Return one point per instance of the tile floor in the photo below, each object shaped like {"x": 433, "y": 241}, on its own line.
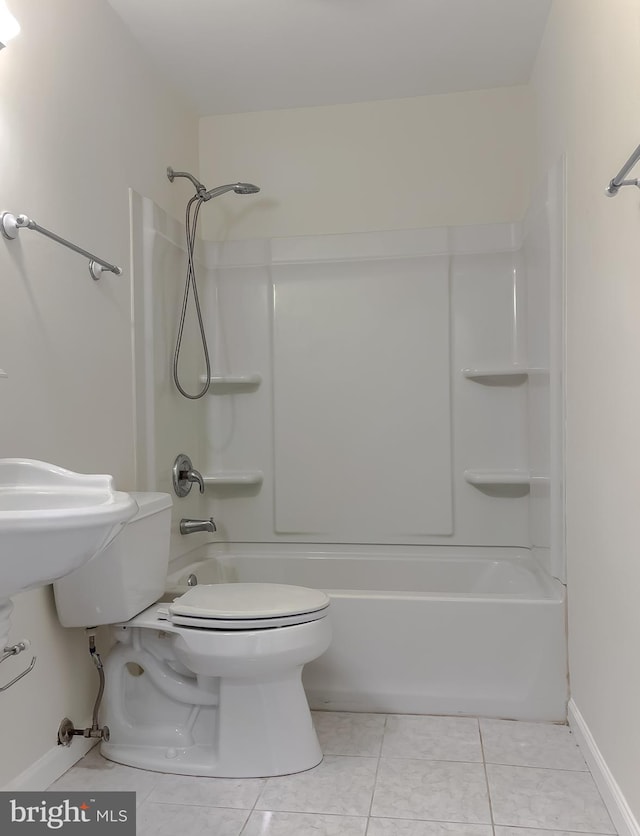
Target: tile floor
{"x": 382, "y": 775}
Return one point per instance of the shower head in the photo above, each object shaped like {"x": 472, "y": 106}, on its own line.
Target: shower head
{"x": 246, "y": 188}
{"x": 238, "y": 188}
{"x": 201, "y": 191}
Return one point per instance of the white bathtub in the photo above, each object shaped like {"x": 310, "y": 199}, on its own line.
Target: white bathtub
{"x": 418, "y": 630}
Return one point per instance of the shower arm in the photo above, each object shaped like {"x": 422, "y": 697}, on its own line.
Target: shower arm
{"x": 171, "y": 174}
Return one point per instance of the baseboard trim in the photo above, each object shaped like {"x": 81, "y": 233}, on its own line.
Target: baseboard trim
{"x": 51, "y": 766}
{"x": 625, "y": 822}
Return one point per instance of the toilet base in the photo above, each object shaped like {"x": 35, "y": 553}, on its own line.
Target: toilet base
{"x": 222, "y": 727}
{"x": 277, "y": 737}
{"x": 199, "y": 761}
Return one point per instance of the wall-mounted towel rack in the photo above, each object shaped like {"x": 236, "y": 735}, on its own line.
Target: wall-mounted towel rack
{"x": 619, "y": 180}
{"x": 10, "y": 225}
{"x": 13, "y": 651}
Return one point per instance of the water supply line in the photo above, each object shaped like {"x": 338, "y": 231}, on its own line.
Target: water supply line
{"x": 66, "y": 729}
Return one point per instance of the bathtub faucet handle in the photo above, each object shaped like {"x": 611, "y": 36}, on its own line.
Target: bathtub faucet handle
{"x": 184, "y": 474}
{"x": 195, "y": 476}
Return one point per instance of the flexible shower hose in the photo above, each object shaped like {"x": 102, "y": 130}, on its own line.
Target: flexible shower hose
{"x": 190, "y": 281}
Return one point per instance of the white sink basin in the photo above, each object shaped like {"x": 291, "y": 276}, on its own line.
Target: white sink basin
{"x": 52, "y": 521}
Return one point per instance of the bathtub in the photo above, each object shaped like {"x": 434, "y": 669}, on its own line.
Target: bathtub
{"x": 417, "y": 630}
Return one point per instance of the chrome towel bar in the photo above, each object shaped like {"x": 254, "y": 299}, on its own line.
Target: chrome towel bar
{"x": 619, "y": 180}
{"x": 10, "y": 225}
{"x": 13, "y": 651}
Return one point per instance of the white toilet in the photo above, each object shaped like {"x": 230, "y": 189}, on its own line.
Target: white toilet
{"x": 209, "y": 684}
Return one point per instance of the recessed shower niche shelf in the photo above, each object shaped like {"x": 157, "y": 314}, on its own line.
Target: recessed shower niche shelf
{"x": 234, "y": 478}
{"x": 221, "y": 384}
{"x": 503, "y": 376}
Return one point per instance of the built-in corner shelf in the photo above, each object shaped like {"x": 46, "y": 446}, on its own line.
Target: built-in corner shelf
{"x": 234, "y": 478}
{"x": 504, "y": 375}
{"x": 488, "y": 478}
{"x": 224, "y": 383}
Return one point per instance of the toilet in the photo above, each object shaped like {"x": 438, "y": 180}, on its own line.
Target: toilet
{"x": 210, "y": 683}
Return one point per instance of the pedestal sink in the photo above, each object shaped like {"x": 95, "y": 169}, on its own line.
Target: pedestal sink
{"x": 52, "y": 521}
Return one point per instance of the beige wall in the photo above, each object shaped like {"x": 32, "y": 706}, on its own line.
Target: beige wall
{"x": 406, "y": 163}
{"x": 81, "y": 120}
{"x": 586, "y": 83}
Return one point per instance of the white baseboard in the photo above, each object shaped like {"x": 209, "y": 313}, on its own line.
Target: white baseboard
{"x": 625, "y": 822}
{"x": 50, "y": 766}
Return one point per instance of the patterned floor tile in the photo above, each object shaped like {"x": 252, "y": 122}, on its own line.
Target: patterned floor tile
{"x": 339, "y": 785}
{"x": 551, "y": 799}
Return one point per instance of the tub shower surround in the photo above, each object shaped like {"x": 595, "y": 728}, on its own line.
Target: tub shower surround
{"x": 417, "y": 630}
{"x": 344, "y": 408}
{"x": 393, "y": 393}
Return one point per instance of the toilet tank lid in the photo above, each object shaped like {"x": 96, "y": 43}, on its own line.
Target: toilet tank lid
{"x": 150, "y": 503}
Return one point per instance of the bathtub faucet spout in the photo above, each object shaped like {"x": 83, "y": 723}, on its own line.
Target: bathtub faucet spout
{"x": 192, "y": 526}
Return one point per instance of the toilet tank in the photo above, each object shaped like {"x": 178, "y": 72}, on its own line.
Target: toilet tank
{"x": 127, "y": 576}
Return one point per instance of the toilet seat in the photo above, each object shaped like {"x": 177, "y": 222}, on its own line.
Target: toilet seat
{"x": 247, "y": 606}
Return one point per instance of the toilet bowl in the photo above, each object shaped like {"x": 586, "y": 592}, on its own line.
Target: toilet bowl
{"x": 207, "y": 684}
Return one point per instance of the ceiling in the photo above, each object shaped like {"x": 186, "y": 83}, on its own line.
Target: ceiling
{"x": 231, "y": 56}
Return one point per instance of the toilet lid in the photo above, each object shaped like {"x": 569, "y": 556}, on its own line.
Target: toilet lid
{"x": 247, "y": 605}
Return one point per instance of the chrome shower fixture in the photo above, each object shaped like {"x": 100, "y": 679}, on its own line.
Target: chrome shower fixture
{"x": 238, "y": 188}
{"x": 171, "y": 174}
{"x": 204, "y": 194}
{"x": 191, "y": 225}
